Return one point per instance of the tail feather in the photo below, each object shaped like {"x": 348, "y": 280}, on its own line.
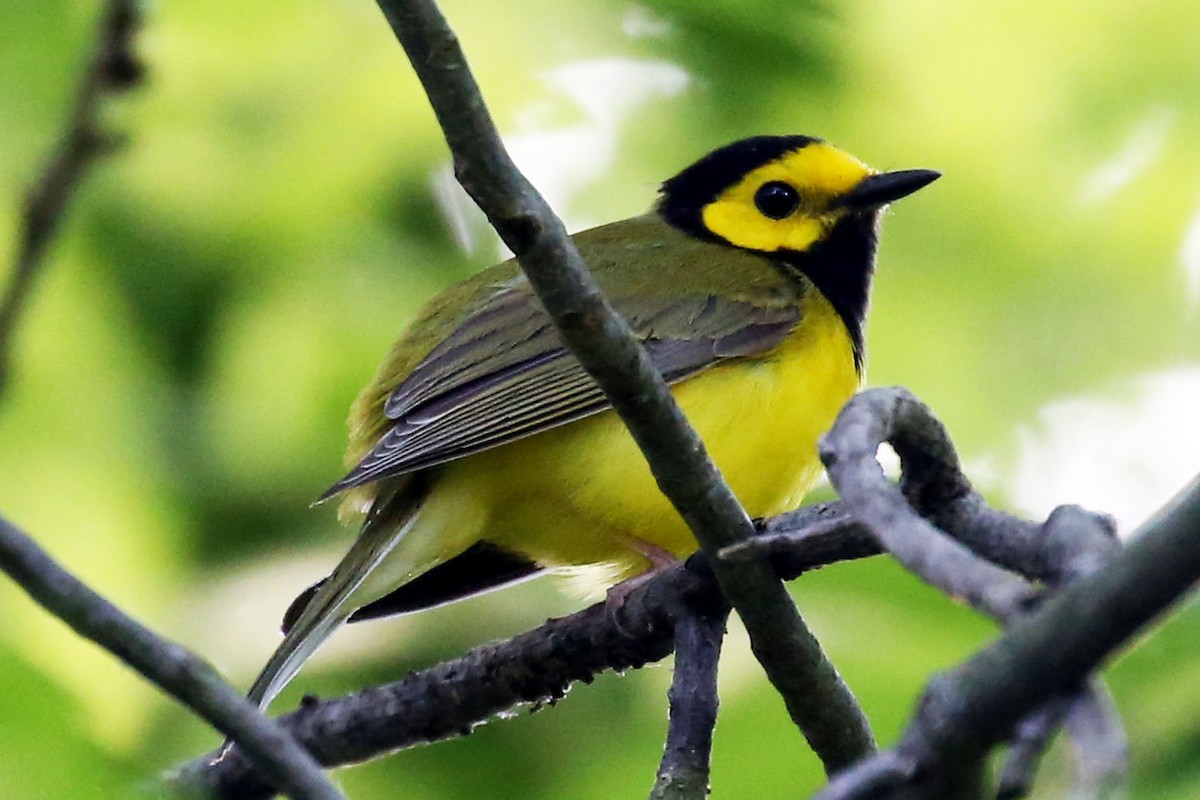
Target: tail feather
{"x": 296, "y": 647}
{"x": 330, "y": 606}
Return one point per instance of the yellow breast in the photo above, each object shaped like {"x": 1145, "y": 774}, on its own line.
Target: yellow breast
{"x": 574, "y": 495}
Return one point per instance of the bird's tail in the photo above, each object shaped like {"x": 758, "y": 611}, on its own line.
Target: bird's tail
{"x": 329, "y": 606}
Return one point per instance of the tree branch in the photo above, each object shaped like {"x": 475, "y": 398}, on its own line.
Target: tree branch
{"x": 1101, "y": 748}
{"x": 849, "y": 455}
{"x": 1095, "y": 728}
{"x": 683, "y": 772}
{"x": 1030, "y": 739}
{"x": 168, "y": 665}
{"x": 535, "y": 668}
{"x": 114, "y": 67}
{"x": 816, "y": 697}
{"x": 966, "y": 712}
{"x": 539, "y": 666}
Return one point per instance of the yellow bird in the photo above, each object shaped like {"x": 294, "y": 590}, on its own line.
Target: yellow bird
{"x": 483, "y": 454}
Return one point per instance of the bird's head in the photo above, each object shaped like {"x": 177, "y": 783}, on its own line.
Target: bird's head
{"x": 779, "y": 194}
{"x": 803, "y": 203}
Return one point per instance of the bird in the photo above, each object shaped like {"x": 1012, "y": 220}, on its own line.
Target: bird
{"x": 482, "y": 454}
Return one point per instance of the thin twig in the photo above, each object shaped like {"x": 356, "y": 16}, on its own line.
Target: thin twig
{"x": 170, "y": 666}
{"x": 683, "y": 771}
{"x": 769, "y": 543}
{"x": 114, "y": 67}
{"x": 1030, "y": 740}
{"x": 817, "y": 699}
{"x": 1096, "y": 732}
{"x": 1075, "y": 543}
{"x": 1099, "y": 744}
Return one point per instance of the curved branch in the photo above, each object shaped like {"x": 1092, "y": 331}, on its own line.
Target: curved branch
{"x": 114, "y": 68}
{"x": 817, "y": 699}
{"x": 966, "y": 712}
{"x": 537, "y": 667}
{"x": 170, "y": 666}
{"x": 849, "y": 452}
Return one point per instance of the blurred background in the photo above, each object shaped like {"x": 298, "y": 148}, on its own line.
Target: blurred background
{"x": 223, "y": 288}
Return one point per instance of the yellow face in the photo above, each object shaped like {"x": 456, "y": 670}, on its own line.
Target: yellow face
{"x": 786, "y": 203}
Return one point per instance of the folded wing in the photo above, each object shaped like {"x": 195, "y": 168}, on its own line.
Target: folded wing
{"x": 504, "y": 374}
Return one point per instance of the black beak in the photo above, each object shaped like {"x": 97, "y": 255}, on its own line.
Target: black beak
{"x": 878, "y": 190}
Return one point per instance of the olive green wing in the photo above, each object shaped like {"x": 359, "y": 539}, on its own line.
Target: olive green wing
{"x": 504, "y": 373}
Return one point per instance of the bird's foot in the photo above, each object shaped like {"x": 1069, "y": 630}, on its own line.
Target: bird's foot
{"x": 660, "y": 561}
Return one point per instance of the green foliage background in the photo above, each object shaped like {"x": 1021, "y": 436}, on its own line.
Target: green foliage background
{"x": 224, "y": 286}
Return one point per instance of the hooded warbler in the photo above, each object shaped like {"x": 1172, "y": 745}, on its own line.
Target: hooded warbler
{"x": 483, "y": 454}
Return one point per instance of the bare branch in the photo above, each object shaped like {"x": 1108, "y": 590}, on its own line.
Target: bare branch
{"x": 538, "y": 667}
{"x": 535, "y": 668}
{"x": 1095, "y": 730}
{"x": 848, "y": 451}
{"x": 114, "y": 68}
{"x": 1100, "y": 746}
{"x": 1030, "y": 740}
{"x": 816, "y": 697}
{"x": 966, "y": 712}
{"x": 683, "y": 772}
{"x": 168, "y": 665}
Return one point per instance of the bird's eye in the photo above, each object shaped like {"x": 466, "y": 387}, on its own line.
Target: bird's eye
{"x": 776, "y": 199}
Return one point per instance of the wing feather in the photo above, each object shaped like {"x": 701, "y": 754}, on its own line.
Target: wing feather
{"x": 504, "y": 374}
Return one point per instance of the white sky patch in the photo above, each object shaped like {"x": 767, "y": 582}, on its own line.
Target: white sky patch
{"x": 641, "y": 22}
{"x": 234, "y": 618}
{"x": 564, "y": 160}
{"x": 888, "y": 460}
{"x": 228, "y": 613}
{"x": 1189, "y": 258}
{"x": 1139, "y": 152}
{"x": 456, "y": 205}
{"x": 1125, "y": 454}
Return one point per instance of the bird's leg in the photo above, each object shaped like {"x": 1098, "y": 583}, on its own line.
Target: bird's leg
{"x": 659, "y": 559}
